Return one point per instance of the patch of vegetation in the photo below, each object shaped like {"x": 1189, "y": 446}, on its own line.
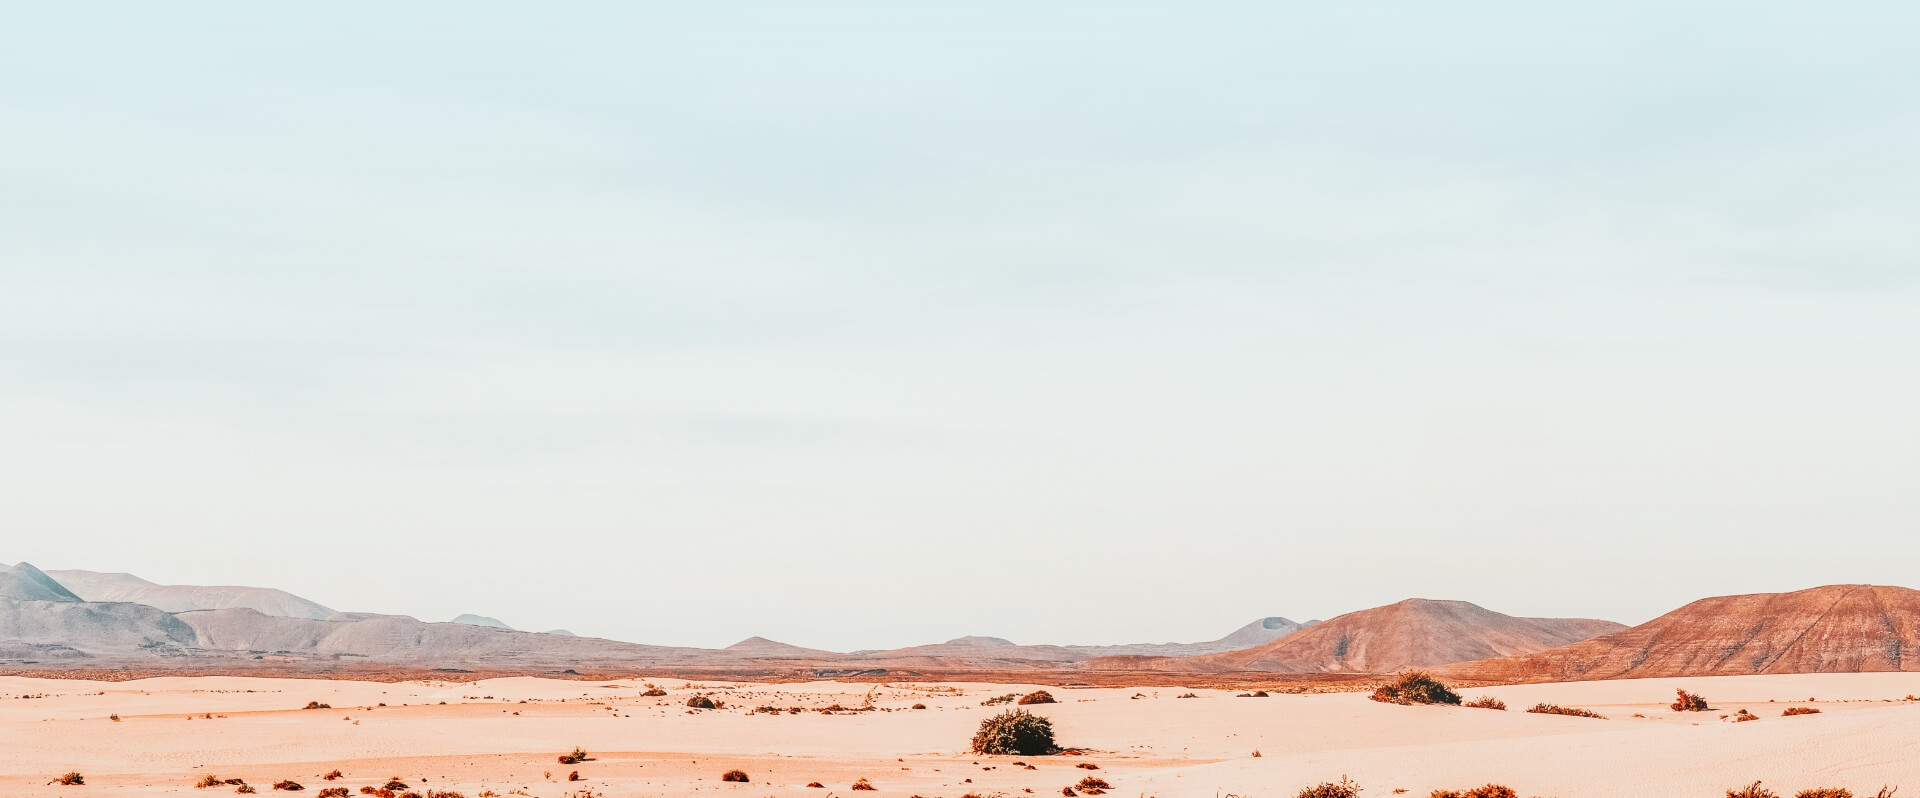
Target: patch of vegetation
{"x": 700, "y": 702}
{"x": 208, "y": 780}
{"x": 245, "y": 789}
{"x": 574, "y": 757}
{"x": 739, "y": 776}
{"x": 71, "y": 779}
{"x": 1186, "y": 695}
{"x": 317, "y": 705}
{"x": 288, "y": 785}
{"x": 1753, "y": 790}
{"x": 654, "y": 692}
{"x": 1556, "y": 709}
{"x": 1415, "y": 687}
{"x": 1328, "y": 789}
{"x": 1792, "y": 711}
{"x": 816, "y": 785}
{"x": 1483, "y": 791}
{"x": 1487, "y": 702}
{"x": 1001, "y": 699}
{"x": 1015, "y": 732}
{"x": 1825, "y": 792}
{"x": 1092, "y": 786}
{"x": 919, "y": 706}
{"x": 332, "y": 775}
{"x": 862, "y": 785}
{"x": 1036, "y": 697}
{"x": 333, "y": 792}
{"x": 1688, "y": 702}
{"x": 1743, "y": 716}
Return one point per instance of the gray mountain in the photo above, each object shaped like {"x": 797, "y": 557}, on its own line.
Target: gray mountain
{"x": 95, "y": 586}
{"x": 480, "y": 620}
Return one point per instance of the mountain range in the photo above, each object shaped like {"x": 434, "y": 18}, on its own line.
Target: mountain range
{"x": 71, "y": 620}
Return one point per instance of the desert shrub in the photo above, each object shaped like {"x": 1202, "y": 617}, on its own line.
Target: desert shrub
{"x": 734, "y": 775}
{"x": 1792, "y": 711}
{"x": 862, "y": 785}
{"x": 245, "y": 789}
{"x": 333, "y": 792}
{"x": 574, "y": 776}
{"x": 1001, "y": 699}
{"x": 1743, "y": 716}
{"x": 1415, "y": 687}
{"x": 1688, "y": 702}
{"x": 318, "y": 705}
{"x": 444, "y": 794}
{"x": 71, "y": 779}
{"x": 208, "y": 780}
{"x": 396, "y": 784}
{"x": 1093, "y": 785}
{"x": 1483, "y": 791}
{"x": 1036, "y": 697}
{"x": 1825, "y": 792}
{"x": 1186, "y": 695}
{"x": 1556, "y": 709}
{"x": 816, "y": 785}
{"x": 574, "y": 757}
{"x": 1753, "y": 790}
{"x": 1486, "y": 702}
{"x": 654, "y": 692}
{"x": 1087, "y": 766}
{"x": 332, "y": 775}
{"x": 700, "y": 702}
{"x": 382, "y": 792}
{"x": 288, "y": 785}
{"x": 115, "y": 718}
{"x": 919, "y": 706}
{"x": 1015, "y": 732}
{"x": 1328, "y": 789}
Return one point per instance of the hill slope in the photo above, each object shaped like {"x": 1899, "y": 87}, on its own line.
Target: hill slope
{"x": 96, "y": 586}
{"x": 1415, "y": 633}
{"x": 1837, "y": 628}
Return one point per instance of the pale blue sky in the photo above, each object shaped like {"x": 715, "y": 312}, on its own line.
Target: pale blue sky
{"x": 872, "y": 325}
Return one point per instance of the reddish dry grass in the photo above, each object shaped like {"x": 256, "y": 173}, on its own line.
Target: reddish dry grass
{"x": 1792, "y": 711}
{"x": 1486, "y": 702}
{"x": 1556, "y": 709}
{"x": 1688, "y": 702}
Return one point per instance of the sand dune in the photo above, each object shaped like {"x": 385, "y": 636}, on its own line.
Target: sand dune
{"x": 503, "y": 735}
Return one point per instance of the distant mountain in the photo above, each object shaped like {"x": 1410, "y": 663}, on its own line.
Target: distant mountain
{"x": 762, "y": 647}
{"x": 560, "y": 632}
{"x": 1265, "y": 630}
{"x": 481, "y": 620}
{"x": 1836, "y": 628}
{"x": 95, "y": 586}
{"x": 1410, "y": 634}
{"x": 24, "y": 582}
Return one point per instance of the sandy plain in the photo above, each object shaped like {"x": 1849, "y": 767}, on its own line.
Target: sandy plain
{"x": 503, "y": 736}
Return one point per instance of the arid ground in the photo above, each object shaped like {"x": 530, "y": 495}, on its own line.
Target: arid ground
{"x": 504, "y": 736}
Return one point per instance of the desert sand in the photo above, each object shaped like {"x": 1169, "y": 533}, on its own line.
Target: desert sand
{"x": 503, "y": 736}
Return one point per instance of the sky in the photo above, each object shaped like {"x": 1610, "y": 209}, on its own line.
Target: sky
{"x": 867, "y": 325}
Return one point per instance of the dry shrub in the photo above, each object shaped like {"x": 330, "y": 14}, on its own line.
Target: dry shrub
{"x": 382, "y": 792}
{"x": 115, "y": 718}
{"x": 1087, "y": 766}
{"x": 1688, "y": 702}
{"x": 862, "y": 785}
{"x": 71, "y": 779}
{"x": 1486, "y": 702}
{"x": 574, "y": 776}
{"x": 1743, "y": 716}
{"x": 1415, "y": 687}
{"x": 1753, "y": 790}
{"x": 318, "y": 705}
{"x": 1093, "y": 786}
{"x": 735, "y": 775}
{"x": 332, "y": 775}
{"x": 1483, "y": 791}
{"x": 245, "y": 789}
{"x": 1825, "y": 792}
{"x": 332, "y": 792}
{"x": 444, "y": 794}
{"x": 208, "y": 780}
{"x": 575, "y": 757}
{"x": 1328, "y": 789}
{"x": 654, "y": 692}
{"x": 919, "y": 706}
{"x": 288, "y": 785}
{"x": 397, "y": 784}
{"x": 700, "y": 702}
{"x": 1556, "y": 709}
{"x": 1015, "y": 732}
{"x": 1036, "y": 697}
{"x": 1186, "y": 695}
{"x": 816, "y": 785}
{"x": 1792, "y": 711}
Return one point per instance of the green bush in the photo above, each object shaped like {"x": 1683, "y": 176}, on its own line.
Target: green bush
{"x": 1416, "y": 687}
{"x": 1015, "y": 732}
